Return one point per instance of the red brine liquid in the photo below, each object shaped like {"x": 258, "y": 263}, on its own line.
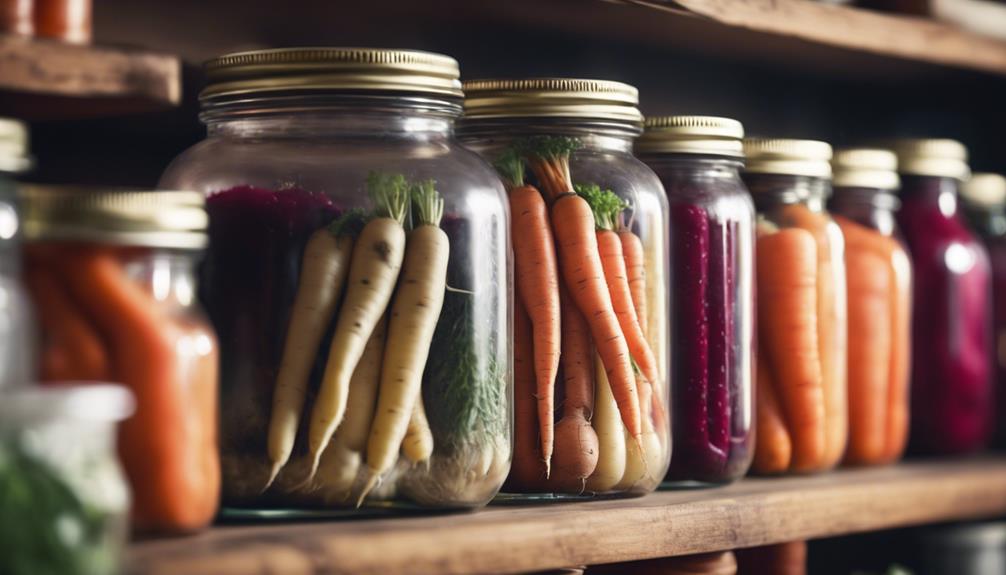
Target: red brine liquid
{"x": 952, "y": 393}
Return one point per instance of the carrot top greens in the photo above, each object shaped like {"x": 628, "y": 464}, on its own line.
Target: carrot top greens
{"x": 510, "y": 166}
{"x": 390, "y": 193}
{"x": 548, "y": 157}
{"x": 427, "y": 203}
{"x": 349, "y": 223}
{"x": 607, "y": 206}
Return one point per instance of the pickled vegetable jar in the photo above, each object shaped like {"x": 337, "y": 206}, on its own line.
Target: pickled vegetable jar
{"x": 590, "y": 247}
{"x": 801, "y": 400}
{"x": 358, "y": 278}
{"x": 16, "y": 319}
{"x": 64, "y": 503}
{"x": 879, "y": 283}
{"x": 952, "y": 403}
{"x": 112, "y": 276}
{"x": 985, "y": 207}
{"x": 698, "y": 160}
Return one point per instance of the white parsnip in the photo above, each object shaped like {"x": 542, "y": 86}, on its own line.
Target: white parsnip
{"x": 377, "y": 260}
{"x": 418, "y": 443}
{"x": 607, "y": 423}
{"x": 414, "y": 317}
{"x": 323, "y": 272}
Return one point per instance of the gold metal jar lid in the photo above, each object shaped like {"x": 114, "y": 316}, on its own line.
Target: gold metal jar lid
{"x": 552, "y": 98}
{"x": 865, "y": 168}
{"x": 708, "y": 135}
{"x": 985, "y": 190}
{"x": 160, "y": 219}
{"x": 14, "y": 156}
{"x": 363, "y": 69}
{"x": 811, "y": 158}
{"x": 937, "y": 157}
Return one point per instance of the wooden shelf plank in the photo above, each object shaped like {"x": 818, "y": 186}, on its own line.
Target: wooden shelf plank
{"x": 44, "y": 79}
{"x": 897, "y": 36}
{"x": 526, "y": 538}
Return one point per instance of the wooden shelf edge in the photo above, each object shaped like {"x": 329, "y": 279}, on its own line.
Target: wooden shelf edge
{"x": 44, "y": 78}
{"x": 850, "y": 28}
{"x": 527, "y": 538}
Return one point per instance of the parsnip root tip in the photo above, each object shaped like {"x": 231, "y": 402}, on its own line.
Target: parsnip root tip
{"x": 373, "y": 480}
{"x": 277, "y": 466}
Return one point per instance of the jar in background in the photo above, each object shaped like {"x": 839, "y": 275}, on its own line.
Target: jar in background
{"x": 16, "y": 320}
{"x": 64, "y": 503}
{"x": 698, "y": 159}
{"x": 66, "y": 20}
{"x": 112, "y": 276}
{"x": 952, "y": 403}
{"x": 879, "y": 291}
{"x": 985, "y": 207}
{"x": 801, "y": 308}
{"x": 569, "y": 135}
{"x": 16, "y": 17}
{"x": 313, "y": 156}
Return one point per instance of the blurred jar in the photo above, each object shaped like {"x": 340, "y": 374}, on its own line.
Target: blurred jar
{"x": 17, "y": 327}
{"x": 66, "y": 20}
{"x": 307, "y": 149}
{"x": 952, "y": 403}
{"x": 64, "y": 502}
{"x": 698, "y": 159}
{"x": 801, "y": 308}
{"x": 879, "y": 283}
{"x": 112, "y": 275}
{"x": 579, "y": 133}
{"x": 985, "y": 207}
{"x": 17, "y": 17}
{"x": 966, "y": 549}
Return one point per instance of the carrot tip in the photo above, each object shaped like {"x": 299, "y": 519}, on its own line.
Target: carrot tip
{"x": 548, "y": 467}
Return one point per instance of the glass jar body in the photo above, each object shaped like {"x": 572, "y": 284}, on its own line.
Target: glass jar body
{"x": 802, "y": 325}
{"x": 879, "y": 295}
{"x": 604, "y": 158}
{"x": 130, "y": 315}
{"x": 273, "y": 179}
{"x": 712, "y": 336}
{"x": 17, "y": 325}
{"x": 952, "y": 326}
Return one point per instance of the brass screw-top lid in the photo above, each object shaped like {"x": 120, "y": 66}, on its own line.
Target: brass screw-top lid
{"x": 13, "y": 146}
{"x": 318, "y": 69}
{"x": 552, "y": 98}
{"x": 809, "y": 158}
{"x": 865, "y": 168}
{"x": 692, "y": 135}
{"x": 165, "y": 219}
{"x": 985, "y": 190}
{"x": 938, "y": 158}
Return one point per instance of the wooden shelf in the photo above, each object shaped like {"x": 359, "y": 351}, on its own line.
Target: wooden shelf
{"x": 513, "y": 539}
{"x": 44, "y": 80}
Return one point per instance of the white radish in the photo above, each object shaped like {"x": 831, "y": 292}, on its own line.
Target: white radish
{"x": 414, "y": 317}
{"x": 418, "y": 443}
{"x": 645, "y": 463}
{"x": 377, "y": 260}
{"x": 610, "y": 435}
{"x": 323, "y": 272}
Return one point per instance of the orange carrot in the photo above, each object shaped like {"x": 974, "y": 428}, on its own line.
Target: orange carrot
{"x": 831, "y": 323}
{"x": 635, "y": 269}
{"x": 169, "y": 447}
{"x": 774, "y": 449}
{"x": 901, "y": 295}
{"x": 581, "y": 269}
{"x": 528, "y": 470}
{"x": 537, "y": 287}
{"x": 72, "y": 348}
{"x": 788, "y": 332}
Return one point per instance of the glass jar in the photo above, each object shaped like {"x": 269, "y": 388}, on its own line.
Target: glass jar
{"x": 112, "y": 275}
{"x": 606, "y": 285}
{"x": 952, "y": 404}
{"x": 802, "y": 403}
{"x": 699, "y": 159}
{"x": 879, "y": 283}
{"x": 312, "y": 156}
{"x": 16, "y": 319}
{"x": 985, "y": 207}
{"x": 64, "y": 503}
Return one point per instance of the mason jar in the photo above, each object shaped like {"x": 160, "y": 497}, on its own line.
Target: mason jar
{"x": 952, "y": 371}
{"x": 112, "y": 276}
{"x": 332, "y": 178}
{"x": 16, "y": 319}
{"x": 879, "y": 292}
{"x": 698, "y": 159}
{"x": 591, "y": 249}
{"x": 802, "y": 414}
{"x": 985, "y": 207}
